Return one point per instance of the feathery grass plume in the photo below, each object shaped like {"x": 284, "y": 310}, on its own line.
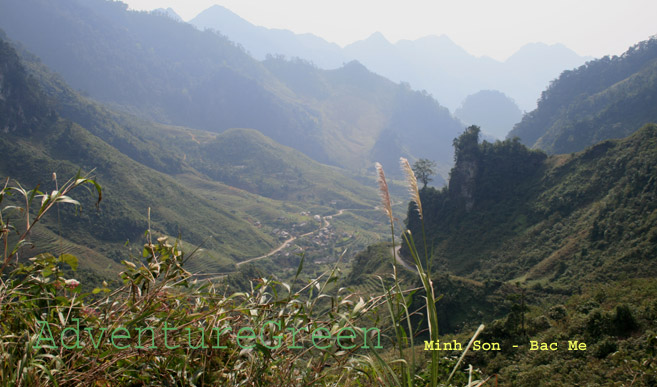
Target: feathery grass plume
{"x": 383, "y": 190}
{"x": 412, "y": 184}
{"x": 396, "y": 302}
{"x": 415, "y": 197}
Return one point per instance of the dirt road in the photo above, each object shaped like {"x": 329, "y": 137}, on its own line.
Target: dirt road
{"x": 401, "y": 261}
{"x": 290, "y": 240}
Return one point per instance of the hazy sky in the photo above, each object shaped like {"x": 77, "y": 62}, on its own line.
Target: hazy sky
{"x": 483, "y": 27}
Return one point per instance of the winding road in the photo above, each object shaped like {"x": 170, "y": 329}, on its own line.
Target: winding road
{"x": 290, "y": 240}
{"x": 287, "y": 242}
{"x": 401, "y": 261}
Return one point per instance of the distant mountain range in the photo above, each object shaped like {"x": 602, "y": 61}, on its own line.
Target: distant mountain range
{"x": 433, "y": 63}
{"x": 261, "y": 41}
{"x": 152, "y": 66}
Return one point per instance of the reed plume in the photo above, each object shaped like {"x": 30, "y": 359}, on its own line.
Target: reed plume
{"x": 383, "y": 191}
{"x": 412, "y": 184}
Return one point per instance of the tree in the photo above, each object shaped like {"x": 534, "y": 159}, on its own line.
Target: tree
{"x": 424, "y": 169}
{"x": 467, "y": 143}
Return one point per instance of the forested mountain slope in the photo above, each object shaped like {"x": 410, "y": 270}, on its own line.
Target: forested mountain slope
{"x": 560, "y": 221}
{"x": 546, "y": 249}
{"x": 38, "y": 141}
{"x": 194, "y": 190}
{"x": 603, "y": 99}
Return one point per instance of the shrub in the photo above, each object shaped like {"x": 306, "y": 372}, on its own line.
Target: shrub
{"x": 623, "y": 322}
{"x": 558, "y": 312}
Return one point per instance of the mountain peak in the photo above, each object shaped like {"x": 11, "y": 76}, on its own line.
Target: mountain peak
{"x": 376, "y": 41}
{"x": 215, "y": 12}
{"x": 442, "y": 39}
{"x": 355, "y": 67}
{"x": 217, "y": 8}
{"x": 434, "y": 43}
{"x": 377, "y": 37}
{"x": 538, "y": 49}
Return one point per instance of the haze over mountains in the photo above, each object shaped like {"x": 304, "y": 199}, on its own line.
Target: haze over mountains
{"x": 491, "y": 109}
{"x": 160, "y": 69}
{"x": 433, "y": 63}
{"x": 226, "y": 191}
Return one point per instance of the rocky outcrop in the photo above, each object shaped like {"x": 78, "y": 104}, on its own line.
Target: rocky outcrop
{"x": 463, "y": 181}
{"x": 463, "y": 178}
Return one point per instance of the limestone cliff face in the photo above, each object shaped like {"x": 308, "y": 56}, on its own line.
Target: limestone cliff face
{"x": 463, "y": 177}
{"x": 463, "y": 181}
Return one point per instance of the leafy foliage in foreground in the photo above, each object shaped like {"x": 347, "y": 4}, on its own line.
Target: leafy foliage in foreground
{"x": 53, "y": 333}
{"x": 156, "y": 291}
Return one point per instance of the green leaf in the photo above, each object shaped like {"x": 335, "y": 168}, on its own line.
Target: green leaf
{"x": 70, "y": 260}
{"x": 95, "y": 184}
{"x": 303, "y": 257}
{"x": 21, "y": 209}
{"x": 44, "y": 258}
{"x": 66, "y": 199}
{"x": 33, "y": 193}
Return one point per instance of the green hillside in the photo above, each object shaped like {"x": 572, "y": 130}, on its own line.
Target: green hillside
{"x": 555, "y": 250}
{"x": 549, "y": 249}
{"x": 246, "y": 159}
{"x": 223, "y": 192}
{"x": 561, "y": 221}
{"x": 32, "y": 152}
{"x": 603, "y": 99}
{"x": 243, "y": 158}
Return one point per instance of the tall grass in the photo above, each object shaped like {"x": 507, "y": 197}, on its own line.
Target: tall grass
{"x": 398, "y": 305}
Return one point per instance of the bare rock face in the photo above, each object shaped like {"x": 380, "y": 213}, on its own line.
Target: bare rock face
{"x": 464, "y": 187}
{"x": 462, "y": 182}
